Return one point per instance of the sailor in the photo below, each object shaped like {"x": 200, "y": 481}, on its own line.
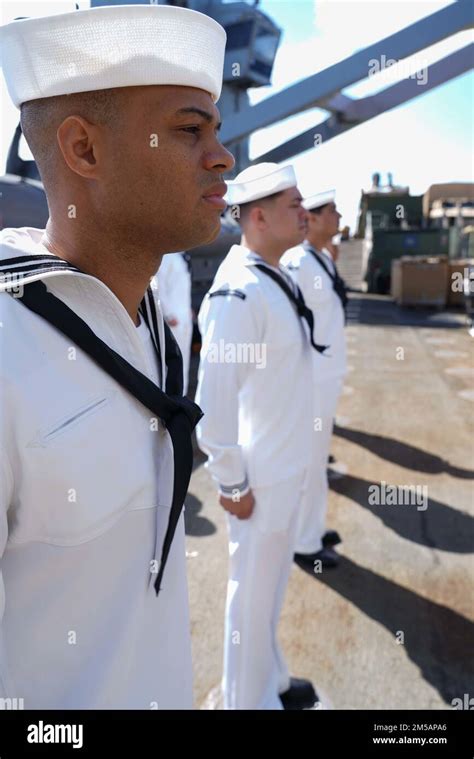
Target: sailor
{"x": 254, "y": 382}
{"x": 118, "y": 107}
{"x": 315, "y": 272}
{"x": 174, "y": 289}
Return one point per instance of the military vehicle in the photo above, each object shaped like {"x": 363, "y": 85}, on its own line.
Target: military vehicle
{"x": 393, "y": 223}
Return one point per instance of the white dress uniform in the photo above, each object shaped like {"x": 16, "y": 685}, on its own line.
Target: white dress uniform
{"x": 329, "y": 371}
{"x": 174, "y": 288}
{"x": 87, "y": 491}
{"x": 257, "y": 434}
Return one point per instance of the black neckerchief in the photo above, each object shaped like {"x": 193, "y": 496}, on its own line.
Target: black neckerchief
{"x": 303, "y": 311}
{"x": 338, "y": 284}
{"x": 178, "y": 413}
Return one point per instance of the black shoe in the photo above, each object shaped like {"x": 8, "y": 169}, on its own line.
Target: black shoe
{"x": 300, "y": 695}
{"x": 331, "y": 538}
{"x": 327, "y": 556}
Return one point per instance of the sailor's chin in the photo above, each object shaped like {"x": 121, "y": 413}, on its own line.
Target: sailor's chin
{"x": 214, "y": 233}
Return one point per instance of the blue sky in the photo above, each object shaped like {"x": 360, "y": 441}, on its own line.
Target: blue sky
{"x": 427, "y": 140}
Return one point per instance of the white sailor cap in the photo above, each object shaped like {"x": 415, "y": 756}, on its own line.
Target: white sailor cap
{"x": 259, "y": 181}
{"x": 321, "y": 199}
{"x": 112, "y": 46}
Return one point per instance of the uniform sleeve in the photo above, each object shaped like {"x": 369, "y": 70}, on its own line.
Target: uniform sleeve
{"x": 224, "y": 322}
{"x": 6, "y": 488}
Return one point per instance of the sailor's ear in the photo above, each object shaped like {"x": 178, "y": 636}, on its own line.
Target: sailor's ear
{"x": 258, "y": 216}
{"x": 79, "y": 142}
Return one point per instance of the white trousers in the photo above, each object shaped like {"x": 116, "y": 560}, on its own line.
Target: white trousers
{"x": 312, "y": 515}
{"x": 261, "y": 554}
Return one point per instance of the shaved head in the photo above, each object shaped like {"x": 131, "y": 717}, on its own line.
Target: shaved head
{"x": 246, "y": 208}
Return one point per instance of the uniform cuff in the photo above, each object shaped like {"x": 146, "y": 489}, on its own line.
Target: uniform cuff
{"x": 234, "y": 491}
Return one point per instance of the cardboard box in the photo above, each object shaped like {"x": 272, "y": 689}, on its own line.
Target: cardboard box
{"x": 420, "y": 281}
{"x": 456, "y": 273}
